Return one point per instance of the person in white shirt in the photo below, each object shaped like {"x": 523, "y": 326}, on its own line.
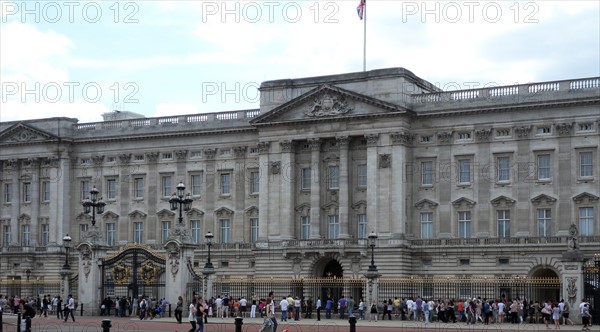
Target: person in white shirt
{"x": 283, "y": 304}
{"x": 243, "y": 304}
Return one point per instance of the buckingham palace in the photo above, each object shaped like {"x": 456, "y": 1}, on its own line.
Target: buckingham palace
{"x": 501, "y": 183}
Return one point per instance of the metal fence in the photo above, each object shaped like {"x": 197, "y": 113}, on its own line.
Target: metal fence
{"x": 31, "y": 288}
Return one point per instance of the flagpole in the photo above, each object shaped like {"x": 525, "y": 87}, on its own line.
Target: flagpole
{"x": 365, "y": 37}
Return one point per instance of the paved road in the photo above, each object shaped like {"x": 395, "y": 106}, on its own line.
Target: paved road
{"x": 92, "y": 324}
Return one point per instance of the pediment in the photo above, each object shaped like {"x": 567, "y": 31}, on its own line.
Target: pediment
{"x": 110, "y": 215}
{"x": 21, "y": 133}
{"x": 24, "y": 217}
{"x": 195, "y": 213}
{"x": 543, "y": 199}
{"x": 585, "y": 197}
{"x": 164, "y": 213}
{"x": 251, "y": 211}
{"x": 360, "y": 206}
{"x": 425, "y": 203}
{"x": 224, "y": 212}
{"x": 463, "y": 201}
{"x": 502, "y": 201}
{"x": 137, "y": 214}
{"x": 331, "y": 208}
{"x": 303, "y": 209}
{"x": 328, "y": 102}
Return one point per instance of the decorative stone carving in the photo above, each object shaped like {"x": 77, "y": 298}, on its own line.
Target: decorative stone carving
{"x": 210, "y": 153}
{"x": 503, "y": 201}
{"x": 125, "y": 158}
{"x": 181, "y": 155}
{"x": 463, "y": 200}
{"x": 522, "y": 131}
{"x": 11, "y": 164}
{"x": 444, "y": 137}
{"x": 385, "y": 160}
{"x": 93, "y": 235}
{"x": 181, "y": 233}
{"x": 585, "y": 196}
{"x": 315, "y": 144}
{"x": 263, "y": 147}
{"x": 572, "y": 289}
{"x": 275, "y": 167}
{"x": 483, "y": 134}
{"x": 543, "y": 199}
{"x": 328, "y": 105}
{"x": 86, "y": 260}
{"x": 152, "y": 157}
{"x": 420, "y": 205}
{"x": 286, "y": 146}
{"x": 224, "y": 212}
{"x": 403, "y": 138}
{"x": 24, "y": 136}
{"x": 97, "y": 160}
{"x": 571, "y": 267}
{"x": 239, "y": 151}
{"x": 342, "y": 141}
{"x": 564, "y": 129}
{"x": 297, "y": 266}
{"x": 372, "y": 139}
{"x": 573, "y": 235}
{"x": 173, "y": 252}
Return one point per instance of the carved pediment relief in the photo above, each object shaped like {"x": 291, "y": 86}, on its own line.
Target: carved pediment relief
{"x": 331, "y": 208}
{"x": 195, "y": 213}
{"x": 586, "y": 198}
{"x": 425, "y": 204}
{"x": 24, "y": 218}
{"x": 21, "y": 133}
{"x": 325, "y": 102}
{"x": 360, "y": 207}
{"x": 252, "y": 211}
{"x": 463, "y": 201}
{"x": 543, "y": 199}
{"x": 303, "y": 209}
{"x": 137, "y": 214}
{"x": 109, "y": 215}
{"x": 502, "y": 201}
{"x": 164, "y": 213}
{"x": 224, "y": 212}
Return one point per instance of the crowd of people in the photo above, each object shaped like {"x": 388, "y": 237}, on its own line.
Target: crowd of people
{"x": 45, "y": 306}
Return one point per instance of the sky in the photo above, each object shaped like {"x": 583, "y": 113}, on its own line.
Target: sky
{"x": 80, "y": 59}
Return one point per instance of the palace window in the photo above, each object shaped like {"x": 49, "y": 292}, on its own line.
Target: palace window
{"x": 464, "y": 224}
{"x": 196, "y": 180}
{"x": 111, "y": 189}
{"x": 544, "y": 222}
{"x": 464, "y": 171}
{"x": 83, "y": 228}
{"x": 503, "y": 219}
{"x": 586, "y": 221}
{"x": 196, "y": 234}
{"x": 362, "y": 175}
{"x": 85, "y": 189}
{"x": 333, "y": 173}
{"x": 45, "y": 235}
{"x": 225, "y": 230}
{"x": 333, "y": 223}
{"x": 25, "y": 235}
{"x": 26, "y": 192}
{"x": 362, "y": 226}
{"x": 586, "y": 164}
{"x": 254, "y": 182}
{"x": 7, "y": 192}
{"x": 427, "y": 173}
{"x": 306, "y": 178}
{"x": 138, "y": 188}
{"x": 45, "y": 191}
{"x": 503, "y": 169}
{"x": 305, "y": 225}
{"x": 138, "y": 232}
{"x": 166, "y": 228}
{"x": 253, "y": 230}
{"x": 167, "y": 185}
{"x": 544, "y": 167}
{"x": 225, "y": 184}
{"x": 426, "y": 225}
{"x": 6, "y": 238}
{"x": 111, "y": 233}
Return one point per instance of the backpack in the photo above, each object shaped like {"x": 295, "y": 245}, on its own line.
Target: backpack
{"x": 29, "y": 311}
{"x": 143, "y": 304}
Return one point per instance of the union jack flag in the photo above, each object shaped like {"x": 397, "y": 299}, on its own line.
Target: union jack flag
{"x": 361, "y": 9}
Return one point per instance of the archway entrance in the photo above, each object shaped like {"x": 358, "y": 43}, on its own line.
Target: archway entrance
{"x": 332, "y": 269}
{"x": 548, "y": 285}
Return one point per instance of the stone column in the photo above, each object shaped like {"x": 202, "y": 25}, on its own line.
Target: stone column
{"x": 35, "y": 203}
{"x": 344, "y": 192}
{"x": 372, "y": 181}
{"x": 179, "y": 256}
{"x": 263, "y": 200}
{"x": 13, "y": 166}
{"x": 315, "y": 189}
{"x": 287, "y": 190}
{"x": 399, "y": 153}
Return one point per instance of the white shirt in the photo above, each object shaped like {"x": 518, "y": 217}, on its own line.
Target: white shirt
{"x": 219, "y": 302}
{"x": 283, "y": 304}
{"x": 243, "y": 302}
{"x": 318, "y": 303}
{"x": 192, "y": 315}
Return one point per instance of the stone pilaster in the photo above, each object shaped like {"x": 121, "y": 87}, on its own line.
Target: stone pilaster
{"x": 344, "y": 192}
{"x": 177, "y": 276}
{"x": 90, "y": 277}
{"x": 287, "y": 190}
{"x": 263, "y": 201}
{"x": 399, "y": 151}
{"x": 315, "y": 188}
{"x": 372, "y": 181}
{"x": 13, "y": 167}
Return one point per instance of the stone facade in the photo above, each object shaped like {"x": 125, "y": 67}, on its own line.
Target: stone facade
{"x": 474, "y": 182}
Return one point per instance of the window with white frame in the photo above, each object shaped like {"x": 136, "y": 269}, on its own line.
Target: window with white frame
{"x": 333, "y": 223}
{"x": 306, "y": 178}
{"x": 503, "y": 132}
{"x": 196, "y": 234}
{"x": 225, "y": 224}
{"x": 26, "y": 191}
{"x": 85, "y": 189}
{"x": 586, "y": 221}
{"x": 362, "y": 175}
{"x": 503, "y": 169}
{"x": 138, "y": 188}
{"x": 544, "y": 167}
{"x": 225, "y": 184}
{"x": 333, "y": 173}
{"x": 464, "y": 171}
{"x": 464, "y": 135}
{"x": 544, "y": 222}
{"x": 111, "y": 189}
{"x": 45, "y": 191}
{"x": 167, "y": 155}
{"x": 166, "y": 229}
{"x": 503, "y": 220}
{"x": 167, "y": 185}
{"x": 138, "y": 157}
{"x": 361, "y": 226}
{"x": 45, "y": 235}
{"x": 464, "y": 224}
{"x": 6, "y": 239}
{"x": 587, "y": 126}
{"x": 586, "y": 164}
{"x": 544, "y": 130}
{"x": 427, "y": 173}
{"x": 138, "y": 232}
{"x": 7, "y": 192}
{"x": 254, "y": 182}
{"x": 426, "y": 225}
{"x": 25, "y": 235}
{"x": 253, "y": 230}
{"x": 111, "y": 234}
{"x": 305, "y": 227}
{"x": 196, "y": 180}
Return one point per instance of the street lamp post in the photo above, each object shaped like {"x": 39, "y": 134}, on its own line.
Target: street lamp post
{"x": 67, "y": 245}
{"x": 208, "y": 267}
{"x": 93, "y": 204}
{"x": 372, "y": 241}
{"x": 372, "y": 273}
{"x": 181, "y": 202}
